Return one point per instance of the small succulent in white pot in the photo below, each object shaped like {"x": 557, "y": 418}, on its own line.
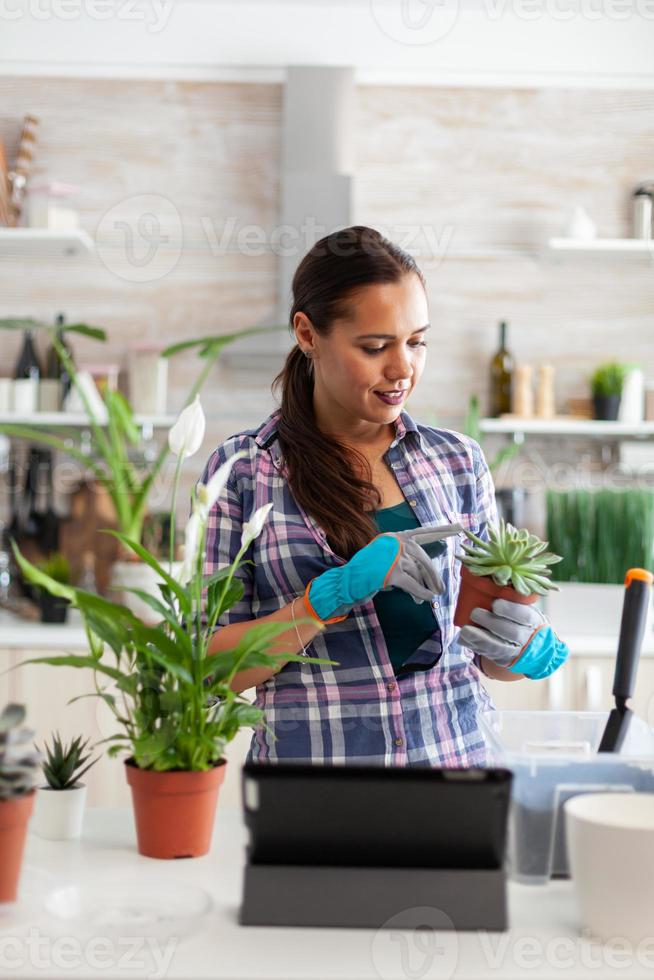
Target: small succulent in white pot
{"x": 60, "y": 805}
{"x": 19, "y": 773}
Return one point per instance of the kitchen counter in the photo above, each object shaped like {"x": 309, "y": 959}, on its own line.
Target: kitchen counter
{"x": 544, "y": 939}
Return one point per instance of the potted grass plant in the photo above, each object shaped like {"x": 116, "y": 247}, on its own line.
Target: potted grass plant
{"x": 59, "y": 809}
{"x": 54, "y": 609}
{"x": 512, "y": 564}
{"x": 19, "y": 773}
{"x": 606, "y": 386}
{"x": 173, "y": 700}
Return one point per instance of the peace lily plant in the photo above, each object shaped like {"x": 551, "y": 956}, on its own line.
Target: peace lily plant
{"x": 172, "y": 699}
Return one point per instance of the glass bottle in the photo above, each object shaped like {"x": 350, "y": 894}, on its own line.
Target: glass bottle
{"x": 501, "y": 377}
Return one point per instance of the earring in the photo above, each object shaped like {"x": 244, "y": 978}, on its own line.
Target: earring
{"x": 308, "y": 354}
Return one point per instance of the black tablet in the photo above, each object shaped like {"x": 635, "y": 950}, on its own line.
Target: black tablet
{"x": 376, "y": 816}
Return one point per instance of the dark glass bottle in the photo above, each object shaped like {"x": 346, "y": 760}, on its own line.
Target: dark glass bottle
{"x": 501, "y": 377}
{"x": 27, "y": 365}
{"x": 54, "y": 369}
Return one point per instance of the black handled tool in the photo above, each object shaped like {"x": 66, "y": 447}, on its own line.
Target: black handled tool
{"x": 637, "y": 597}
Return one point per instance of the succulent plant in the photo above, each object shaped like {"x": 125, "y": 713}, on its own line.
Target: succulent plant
{"x": 511, "y": 557}
{"x": 62, "y": 762}
{"x": 19, "y": 762}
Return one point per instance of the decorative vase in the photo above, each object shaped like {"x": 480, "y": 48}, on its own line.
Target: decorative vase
{"x": 14, "y": 817}
{"x": 174, "y": 811}
{"x": 138, "y": 575}
{"x": 606, "y": 407}
{"x": 59, "y": 813}
{"x": 481, "y": 590}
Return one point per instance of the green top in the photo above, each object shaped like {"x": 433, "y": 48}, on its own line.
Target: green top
{"x": 405, "y": 624}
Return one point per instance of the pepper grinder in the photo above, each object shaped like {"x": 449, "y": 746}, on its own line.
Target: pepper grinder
{"x": 523, "y": 395}
{"x": 545, "y": 407}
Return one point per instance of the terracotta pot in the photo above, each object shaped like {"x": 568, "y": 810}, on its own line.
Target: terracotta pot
{"x": 14, "y": 817}
{"x": 174, "y": 811}
{"x": 480, "y": 590}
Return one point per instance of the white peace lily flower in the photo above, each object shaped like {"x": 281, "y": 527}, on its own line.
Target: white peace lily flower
{"x": 208, "y": 493}
{"x": 191, "y": 542}
{"x": 186, "y": 435}
{"x": 252, "y": 528}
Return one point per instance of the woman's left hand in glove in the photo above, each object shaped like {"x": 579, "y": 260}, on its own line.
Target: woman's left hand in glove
{"x": 517, "y": 637}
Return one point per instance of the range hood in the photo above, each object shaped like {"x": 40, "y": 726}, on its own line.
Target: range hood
{"x": 315, "y": 193}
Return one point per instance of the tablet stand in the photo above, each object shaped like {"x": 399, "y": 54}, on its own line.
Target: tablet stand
{"x": 372, "y": 897}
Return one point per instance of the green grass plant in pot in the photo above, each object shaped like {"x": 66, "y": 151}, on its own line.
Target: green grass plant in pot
{"x": 19, "y": 774}
{"x": 173, "y": 700}
{"x": 606, "y": 386}
{"x": 512, "y": 564}
{"x": 59, "y": 810}
{"x": 54, "y": 609}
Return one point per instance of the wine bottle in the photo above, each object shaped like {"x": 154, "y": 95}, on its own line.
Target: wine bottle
{"x": 54, "y": 369}
{"x": 501, "y": 371}
{"x": 26, "y": 377}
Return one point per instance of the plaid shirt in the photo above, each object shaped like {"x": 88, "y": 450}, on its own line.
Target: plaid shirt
{"x": 358, "y": 711}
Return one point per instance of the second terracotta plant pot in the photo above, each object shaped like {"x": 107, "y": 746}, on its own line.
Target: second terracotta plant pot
{"x": 174, "y": 811}
{"x": 480, "y": 590}
{"x": 14, "y": 817}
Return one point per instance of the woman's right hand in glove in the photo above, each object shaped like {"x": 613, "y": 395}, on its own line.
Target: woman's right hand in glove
{"x": 395, "y": 559}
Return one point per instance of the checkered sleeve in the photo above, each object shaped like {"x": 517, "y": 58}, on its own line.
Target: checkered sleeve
{"x": 223, "y": 540}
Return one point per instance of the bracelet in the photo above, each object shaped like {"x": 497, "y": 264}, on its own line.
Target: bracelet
{"x": 297, "y": 632}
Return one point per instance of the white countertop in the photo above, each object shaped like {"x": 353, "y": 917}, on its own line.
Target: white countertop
{"x": 544, "y": 939}
{"x": 18, "y": 634}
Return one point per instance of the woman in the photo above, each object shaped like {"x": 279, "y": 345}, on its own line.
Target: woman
{"x": 359, "y": 539}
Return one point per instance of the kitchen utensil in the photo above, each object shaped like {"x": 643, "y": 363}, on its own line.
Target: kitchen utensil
{"x": 638, "y": 594}
{"x": 610, "y": 840}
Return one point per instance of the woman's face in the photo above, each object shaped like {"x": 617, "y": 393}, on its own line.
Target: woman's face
{"x": 371, "y": 361}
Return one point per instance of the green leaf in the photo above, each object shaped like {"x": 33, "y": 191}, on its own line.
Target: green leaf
{"x": 96, "y": 333}
{"x": 108, "y": 620}
{"x": 215, "y": 343}
{"x": 150, "y": 560}
{"x": 120, "y": 409}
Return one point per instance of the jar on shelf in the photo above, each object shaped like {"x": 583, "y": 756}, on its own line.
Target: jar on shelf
{"x": 148, "y": 379}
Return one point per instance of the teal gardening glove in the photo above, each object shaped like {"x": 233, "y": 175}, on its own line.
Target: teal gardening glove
{"x": 517, "y": 637}
{"x": 394, "y": 559}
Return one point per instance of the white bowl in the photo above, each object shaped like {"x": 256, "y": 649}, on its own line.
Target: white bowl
{"x": 610, "y": 838}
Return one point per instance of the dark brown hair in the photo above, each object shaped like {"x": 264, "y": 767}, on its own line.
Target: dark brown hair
{"x": 321, "y": 470}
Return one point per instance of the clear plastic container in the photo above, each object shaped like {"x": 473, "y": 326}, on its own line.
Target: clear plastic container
{"x": 553, "y": 756}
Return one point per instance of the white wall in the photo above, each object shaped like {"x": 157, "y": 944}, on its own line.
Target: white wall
{"x": 470, "y": 42}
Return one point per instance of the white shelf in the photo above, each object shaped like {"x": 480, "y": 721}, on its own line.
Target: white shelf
{"x": 55, "y": 420}
{"x": 566, "y": 427}
{"x": 21, "y": 242}
{"x": 615, "y": 247}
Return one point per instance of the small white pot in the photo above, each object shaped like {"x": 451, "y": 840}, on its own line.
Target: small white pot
{"x": 610, "y": 838}
{"x": 58, "y": 813}
{"x": 138, "y": 575}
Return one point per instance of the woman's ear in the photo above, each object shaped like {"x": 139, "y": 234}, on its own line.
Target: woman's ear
{"x": 304, "y": 332}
